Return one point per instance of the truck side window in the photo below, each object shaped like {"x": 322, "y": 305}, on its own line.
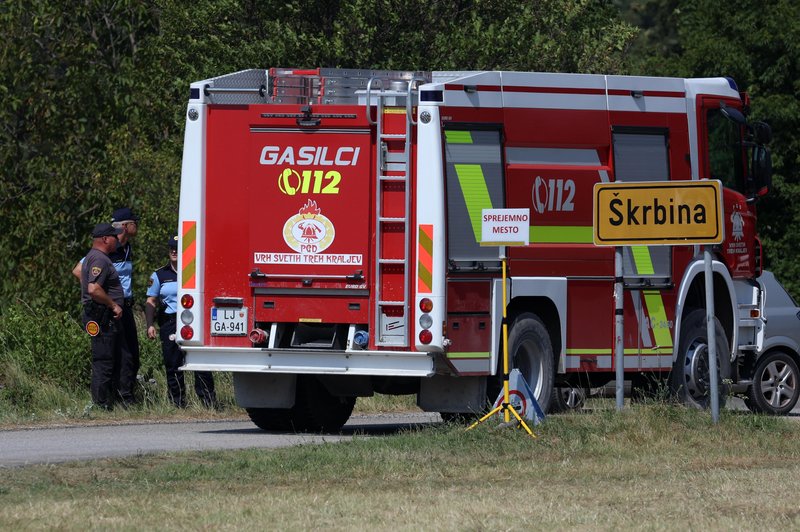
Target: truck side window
{"x": 474, "y": 168}
{"x": 642, "y": 154}
{"x": 724, "y": 150}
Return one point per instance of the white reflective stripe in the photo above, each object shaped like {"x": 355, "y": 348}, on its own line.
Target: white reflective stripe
{"x": 604, "y": 362}
{"x": 459, "y": 98}
{"x": 647, "y": 104}
{"x": 572, "y": 361}
{"x": 552, "y": 156}
{"x": 554, "y": 80}
{"x": 648, "y": 361}
{"x": 538, "y": 100}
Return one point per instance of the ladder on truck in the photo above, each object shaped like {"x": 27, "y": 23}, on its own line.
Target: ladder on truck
{"x": 392, "y": 168}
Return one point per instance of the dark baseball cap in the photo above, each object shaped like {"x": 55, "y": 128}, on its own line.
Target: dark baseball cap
{"x": 101, "y": 230}
{"x": 122, "y": 214}
{"x": 173, "y": 242}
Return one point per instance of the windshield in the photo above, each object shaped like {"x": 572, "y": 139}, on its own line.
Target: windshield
{"x": 725, "y": 150}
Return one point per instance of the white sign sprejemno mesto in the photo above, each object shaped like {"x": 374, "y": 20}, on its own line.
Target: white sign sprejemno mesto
{"x": 505, "y": 227}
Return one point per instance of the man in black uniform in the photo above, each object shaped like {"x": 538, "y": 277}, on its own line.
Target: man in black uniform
{"x": 122, "y": 258}
{"x": 102, "y": 298}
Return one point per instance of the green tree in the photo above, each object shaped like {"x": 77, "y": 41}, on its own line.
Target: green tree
{"x": 757, "y": 43}
{"x": 94, "y": 96}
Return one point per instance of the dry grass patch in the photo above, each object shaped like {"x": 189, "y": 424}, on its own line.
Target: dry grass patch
{"x": 656, "y": 467}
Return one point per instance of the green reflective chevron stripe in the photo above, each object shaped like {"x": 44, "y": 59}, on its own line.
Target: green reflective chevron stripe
{"x": 476, "y": 195}
{"x": 658, "y": 317}
{"x": 642, "y": 259}
{"x": 458, "y": 137}
{"x": 561, "y": 234}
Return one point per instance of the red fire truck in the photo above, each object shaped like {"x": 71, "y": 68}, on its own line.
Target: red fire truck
{"x": 330, "y": 225}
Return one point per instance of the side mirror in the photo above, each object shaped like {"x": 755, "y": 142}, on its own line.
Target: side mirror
{"x": 762, "y": 170}
{"x": 733, "y": 115}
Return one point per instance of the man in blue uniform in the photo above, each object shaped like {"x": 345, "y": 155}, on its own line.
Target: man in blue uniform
{"x": 162, "y": 299}
{"x": 102, "y": 299}
{"x": 122, "y": 258}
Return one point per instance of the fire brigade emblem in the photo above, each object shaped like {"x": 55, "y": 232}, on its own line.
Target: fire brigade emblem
{"x": 96, "y": 271}
{"x": 738, "y": 225}
{"x": 309, "y": 231}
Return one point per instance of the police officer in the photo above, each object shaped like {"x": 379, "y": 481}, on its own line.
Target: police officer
{"x": 122, "y": 258}
{"x": 162, "y": 299}
{"x": 102, "y": 298}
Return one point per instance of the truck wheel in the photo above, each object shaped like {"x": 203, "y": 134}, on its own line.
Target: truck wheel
{"x": 316, "y": 410}
{"x": 775, "y": 384}
{"x": 568, "y": 399}
{"x": 689, "y": 379}
{"x": 531, "y": 352}
{"x": 271, "y": 419}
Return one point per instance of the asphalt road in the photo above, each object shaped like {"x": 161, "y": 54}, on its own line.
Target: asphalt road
{"x": 62, "y": 444}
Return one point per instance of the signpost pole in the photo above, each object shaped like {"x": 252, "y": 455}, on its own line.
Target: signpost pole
{"x": 711, "y": 333}
{"x": 619, "y": 328}
{"x": 496, "y": 227}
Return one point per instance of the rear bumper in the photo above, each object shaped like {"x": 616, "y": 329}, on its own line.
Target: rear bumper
{"x": 258, "y": 360}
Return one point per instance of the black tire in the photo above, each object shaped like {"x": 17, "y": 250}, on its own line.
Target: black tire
{"x": 689, "y": 380}
{"x": 568, "y": 399}
{"x": 775, "y": 388}
{"x": 271, "y": 419}
{"x": 531, "y": 351}
{"x": 317, "y": 410}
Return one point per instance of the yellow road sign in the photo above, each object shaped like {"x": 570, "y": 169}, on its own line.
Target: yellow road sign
{"x": 663, "y": 212}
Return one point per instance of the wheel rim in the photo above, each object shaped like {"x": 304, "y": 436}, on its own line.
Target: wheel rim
{"x": 573, "y": 397}
{"x": 778, "y": 384}
{"x": 695, "y": 369}
{"x": 529, "y": 363}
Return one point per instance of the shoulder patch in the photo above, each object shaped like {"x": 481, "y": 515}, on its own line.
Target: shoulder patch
{"x": 96, "y": 270}
{"x": 92, "y": 328}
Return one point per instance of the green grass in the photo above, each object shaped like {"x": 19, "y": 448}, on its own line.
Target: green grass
{"x": 652, "y": 467}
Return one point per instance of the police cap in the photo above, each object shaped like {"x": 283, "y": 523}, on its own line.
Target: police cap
{"x": 124, "y": 213}
{"x": 101, "y": 230}
{"x": 173, "y": 242}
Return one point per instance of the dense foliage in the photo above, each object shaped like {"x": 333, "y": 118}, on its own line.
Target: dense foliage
{"x": 94, "y": 94}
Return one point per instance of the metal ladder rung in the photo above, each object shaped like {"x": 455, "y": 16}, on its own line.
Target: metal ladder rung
{"x": 392, "y": 178}
{"x": 391, "y": 261}
{"x": 390, "y": 220}
{"x": 393, "y": 136}
{"x": 391, "y": 303}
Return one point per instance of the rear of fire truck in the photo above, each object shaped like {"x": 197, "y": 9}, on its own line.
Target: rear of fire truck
{"x": 295, "y": 219}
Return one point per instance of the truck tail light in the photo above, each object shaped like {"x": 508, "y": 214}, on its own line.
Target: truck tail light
{"x": 187, "y": 301}
{"x": 425, "y": 336}
{"x": 425, "y": 305}
{"x": 187, "y": 333}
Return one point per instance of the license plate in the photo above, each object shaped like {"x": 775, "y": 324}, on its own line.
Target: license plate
{"x": 228, "y": 321}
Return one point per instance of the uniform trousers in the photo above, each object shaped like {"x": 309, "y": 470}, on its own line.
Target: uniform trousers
{"x": 106, "y": 363}
{"x": 129, "y": 361}
{"x": 174, "y": 359}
